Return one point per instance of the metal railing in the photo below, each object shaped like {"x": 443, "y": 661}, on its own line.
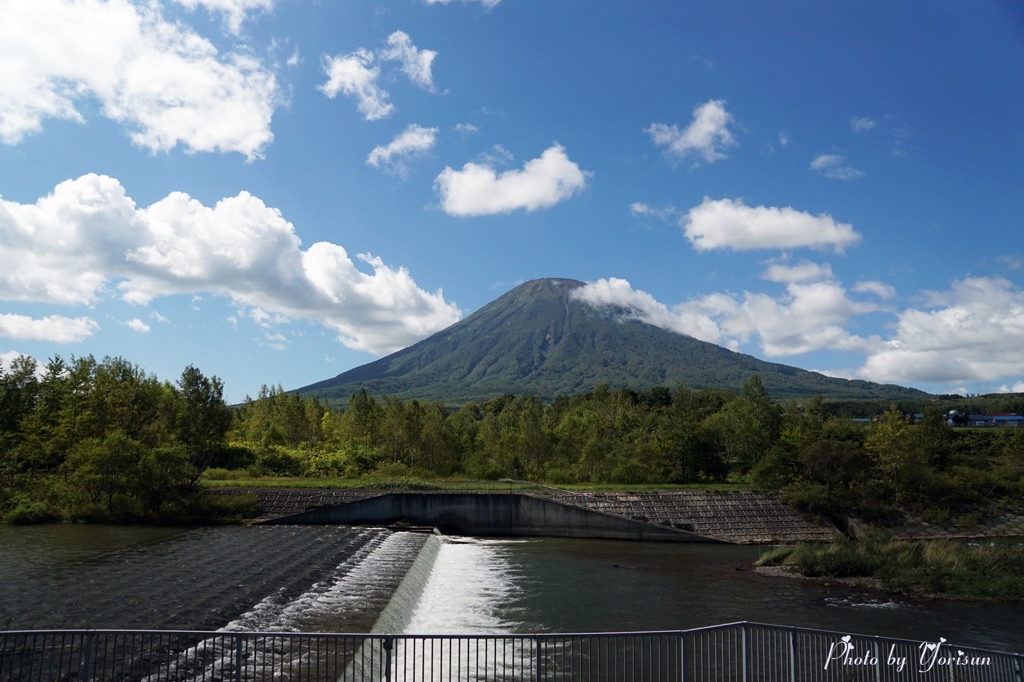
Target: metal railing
{"x": 736, "y": 652}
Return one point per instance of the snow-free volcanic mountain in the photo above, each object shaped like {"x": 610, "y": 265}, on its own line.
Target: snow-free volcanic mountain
{"x": 539, "y": 339}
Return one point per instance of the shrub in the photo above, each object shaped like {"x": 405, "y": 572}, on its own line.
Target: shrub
{"x": 630, "y": 471}
{"x": 28, "y": 512}
{"x": 276, "y": 461}
{"x": 221, "y": 474}
{"x": 813, "y": 498}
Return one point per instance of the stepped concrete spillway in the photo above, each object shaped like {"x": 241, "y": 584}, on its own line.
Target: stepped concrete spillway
{"x": 745, "y": 517}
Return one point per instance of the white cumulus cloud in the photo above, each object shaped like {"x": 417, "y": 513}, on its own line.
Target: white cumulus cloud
{"x": 478, "y": 189}
{"x": 803, "y": 271}
{"x": 55, "y": 328}
{"x": 138, "y": 325}
{"x": 835, "y": 167}
{"x": 234, "y": 11}
{"x": 972, "y": 332}
{"x": 640, "y": 305}
{"x": 706, "y": 136}
{"x": 416, "y": 64}
{"x": 413, "y": 141}
{"x": 873, "y": 286}
{"x": 7, "y": 358}
{"x": 356, "y": 75}
{"x": 168, "y": 85}
{"x": 729, "y": 224}
{"x": 809, "y": 317}
{"x": 88, "y": 237}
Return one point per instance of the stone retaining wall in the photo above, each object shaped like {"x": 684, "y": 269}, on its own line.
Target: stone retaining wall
{"x": 746, "y": 517}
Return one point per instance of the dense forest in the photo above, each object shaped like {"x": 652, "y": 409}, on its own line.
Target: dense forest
{"x": 106, "y": 441}
{"x": 825, "y": 461}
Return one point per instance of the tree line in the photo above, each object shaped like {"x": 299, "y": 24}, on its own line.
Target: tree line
{"x": 105, "y": 440}
{"x": 816, "y": 453}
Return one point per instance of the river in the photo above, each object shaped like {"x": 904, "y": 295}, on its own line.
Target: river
{"x": 334, "y": 578}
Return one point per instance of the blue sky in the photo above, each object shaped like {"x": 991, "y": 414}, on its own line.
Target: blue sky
{"x": 279, "y": 190}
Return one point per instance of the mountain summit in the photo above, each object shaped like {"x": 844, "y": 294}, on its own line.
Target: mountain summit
{"x": 539, "y": 339}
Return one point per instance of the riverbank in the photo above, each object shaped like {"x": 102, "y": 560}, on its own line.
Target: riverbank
{"x": 935, "y": 569}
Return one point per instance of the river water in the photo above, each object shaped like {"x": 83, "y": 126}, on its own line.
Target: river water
{"x": 335, "y": 578}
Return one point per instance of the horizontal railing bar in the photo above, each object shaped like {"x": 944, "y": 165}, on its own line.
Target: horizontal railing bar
{"x": 206, "y": 634}
{"x": 897, "y": 640}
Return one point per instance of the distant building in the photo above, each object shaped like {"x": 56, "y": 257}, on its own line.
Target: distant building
{"x": 956, "y": 418}
{"x": 1013, "y": 420}
{"x": 984, "y": 420}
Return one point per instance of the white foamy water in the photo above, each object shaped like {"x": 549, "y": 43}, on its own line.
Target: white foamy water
{"x": 468, "y": 591}
{"x": 363, "y": 582}
{"x": 470, "y": 583}
{"x": 357, "y": 588}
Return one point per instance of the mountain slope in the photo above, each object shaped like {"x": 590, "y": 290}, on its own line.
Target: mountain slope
{"x": 537, "y": 339}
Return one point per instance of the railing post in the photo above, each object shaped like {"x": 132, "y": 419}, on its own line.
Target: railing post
{"x": 746, "y": 652}
{"x": 238, "y": 657}
{"x": 792, "y": 655}
{"x": 540, "y": 658}
{"x": 86, "y": 673}
{"x": 1018, "y": 673}
{"x": 387, "y": 659}
{"x": 682, "y": 657}
{"x": 878, "y": 660}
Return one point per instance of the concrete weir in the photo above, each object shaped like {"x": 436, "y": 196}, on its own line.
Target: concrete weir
{"x": 490, "y": 515}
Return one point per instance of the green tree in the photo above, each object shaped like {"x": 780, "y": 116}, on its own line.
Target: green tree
{"x": 202, "y": 420}
{"x": 889, "y": 446}
{"x": 934, "y": 437}
{"x": 19, "y": 389}
{"x": 363, "y": 420}
{"x": 163, "y": 475}
{"x": 105, "y": 470}
{"x": 746, "y": 428}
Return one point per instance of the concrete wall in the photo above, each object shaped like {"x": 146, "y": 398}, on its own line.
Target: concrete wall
{"x": 491, "y": 515}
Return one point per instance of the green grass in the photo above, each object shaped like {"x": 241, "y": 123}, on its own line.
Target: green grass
{"x": 984, "y": 571}
{"x": 450, "y": 484}
{"x": 640, "y": 487}
{"x": 283, "y": 482}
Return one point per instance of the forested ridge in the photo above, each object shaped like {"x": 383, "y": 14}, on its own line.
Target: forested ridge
{"x": 104, "y": 440}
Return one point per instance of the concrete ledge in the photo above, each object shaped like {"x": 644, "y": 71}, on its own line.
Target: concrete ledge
{"x": 491, "y": 515}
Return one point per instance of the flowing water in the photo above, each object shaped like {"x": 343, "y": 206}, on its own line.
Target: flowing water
{"x": 559, "y": 585}
{"x": 306, "y": 578}
{"x": 336, "y": 578}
